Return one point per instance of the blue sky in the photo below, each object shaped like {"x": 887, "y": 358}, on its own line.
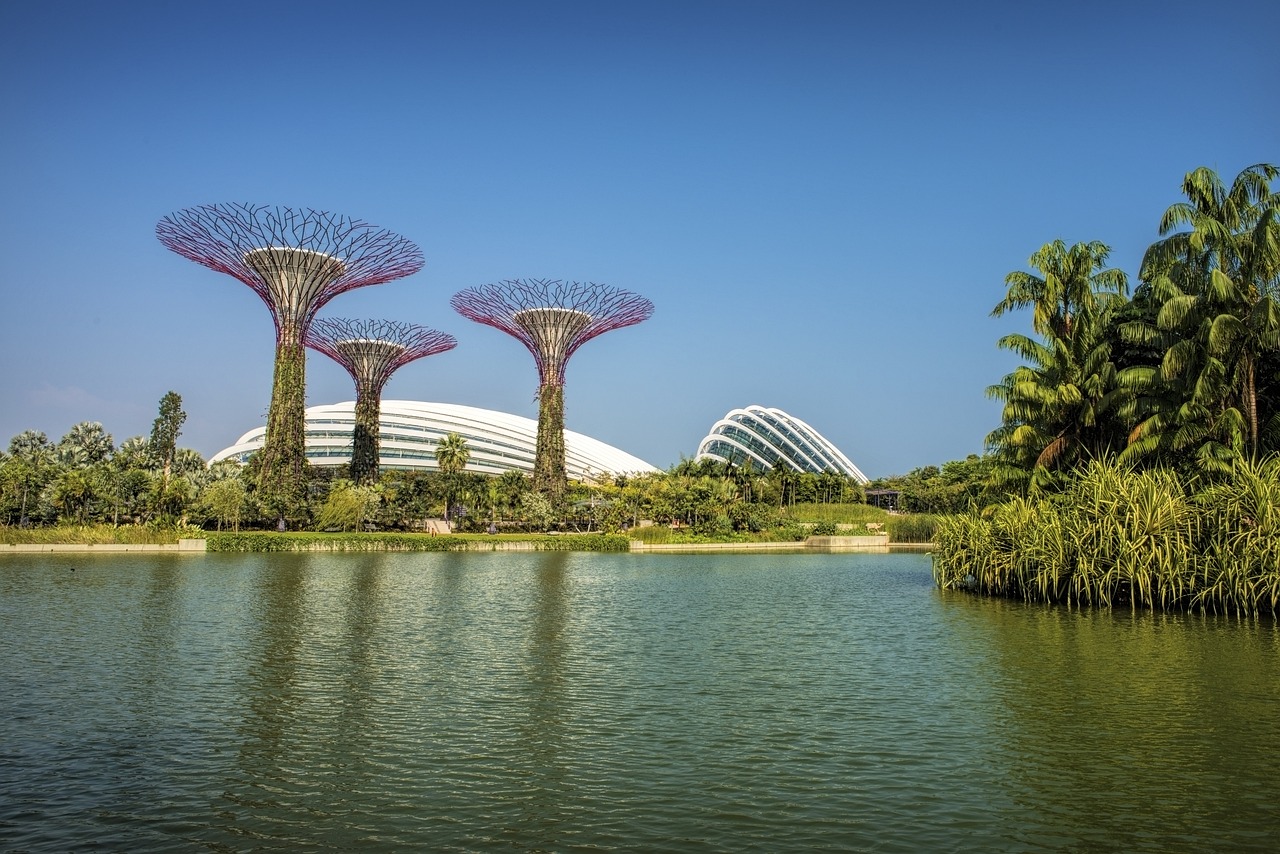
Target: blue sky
{"x": 821, "y": 199}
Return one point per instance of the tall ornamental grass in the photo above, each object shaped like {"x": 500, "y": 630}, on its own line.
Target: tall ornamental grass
{"x": 843, "y": 514}
{"x": 100, "y": 534}
{"x": 1120, "y": 538}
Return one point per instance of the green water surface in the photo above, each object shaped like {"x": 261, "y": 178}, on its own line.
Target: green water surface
{"x": 559, "y": 702}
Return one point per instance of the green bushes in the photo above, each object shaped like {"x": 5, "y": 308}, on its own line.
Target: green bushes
{"x": 1115, "y": 537}
{"x": 262, "y": 541}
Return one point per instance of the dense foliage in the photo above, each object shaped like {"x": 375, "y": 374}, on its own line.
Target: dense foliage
{"x": 84, "y": 479}
{"x": 266, "y": 541}
{"x": 1142, "y": 436}
{"x": 955, "y": 487}
{"x": 1114, "y": 537}
{"x": 1185, "y": 375}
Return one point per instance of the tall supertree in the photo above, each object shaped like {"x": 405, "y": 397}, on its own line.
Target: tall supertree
{"x": 553, "y": 318}
{"x": 296, "y": 261}
{"x": 371, "y": 351}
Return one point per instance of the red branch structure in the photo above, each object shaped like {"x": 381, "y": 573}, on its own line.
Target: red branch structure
{"x": 296, "y": 261}
{"x": 552, "y": 318}
{"x": 371, "y": 351}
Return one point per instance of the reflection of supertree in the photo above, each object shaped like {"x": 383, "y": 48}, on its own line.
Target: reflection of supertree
{"x": 296, "y": 261}
{"x": 371, "y": 351}
{"x": 553, "y": 319}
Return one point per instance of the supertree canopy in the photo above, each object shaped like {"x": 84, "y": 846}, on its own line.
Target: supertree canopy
{"x": 552, "y": 318}
{"x": 296, "y": 261}
{"x": 371, "y": 351}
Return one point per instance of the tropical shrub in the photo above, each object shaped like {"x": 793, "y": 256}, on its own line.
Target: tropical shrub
{"x": 1119, "y": 537}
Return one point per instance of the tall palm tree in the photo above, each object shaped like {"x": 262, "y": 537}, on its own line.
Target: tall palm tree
{"x": 1072, "y": 281}
{"x": 1218, "y": 286}
{"x": 33, "y": 454}
{"x": 452, "y": 455}
{"x": 1060, "y": 407}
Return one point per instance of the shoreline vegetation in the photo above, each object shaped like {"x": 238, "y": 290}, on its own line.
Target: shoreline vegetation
{"x": 269, "y": 541}
{"x": 1115, "y": 537}
{"x": 110, "y": 539}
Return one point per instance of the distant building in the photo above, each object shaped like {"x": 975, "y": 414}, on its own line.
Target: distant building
{"x": 410, "y": 431}
{"x": 768, "y": 437}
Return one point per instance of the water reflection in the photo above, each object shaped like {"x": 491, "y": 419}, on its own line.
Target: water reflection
{"x": 271, "y": 695}
{"x": 547, "y": 701}
{"x": 363, "y": 650}
{"x": 543, "y": 728}
{"x": 1138, "y": 730}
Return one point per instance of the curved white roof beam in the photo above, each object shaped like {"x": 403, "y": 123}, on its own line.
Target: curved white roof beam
{"x": 410, "y": 431}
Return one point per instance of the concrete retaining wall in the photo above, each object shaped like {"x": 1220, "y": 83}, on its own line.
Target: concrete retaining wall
{"x": 180, "y": 547}
{"x": 873, "y": 541}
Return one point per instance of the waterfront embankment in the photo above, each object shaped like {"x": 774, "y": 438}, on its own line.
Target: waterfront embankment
{"x": 192, "y": 546}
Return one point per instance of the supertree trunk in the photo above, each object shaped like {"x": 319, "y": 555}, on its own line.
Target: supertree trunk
{"x": 281, "y": 477}
{"x": 365, "y": 440}
{"x": 549, "y": 475}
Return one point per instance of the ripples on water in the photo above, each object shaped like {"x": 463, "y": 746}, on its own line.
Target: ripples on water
{"x": 575, "y": 701}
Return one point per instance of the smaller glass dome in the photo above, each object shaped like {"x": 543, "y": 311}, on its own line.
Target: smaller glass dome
{"x": 766, "y": 437}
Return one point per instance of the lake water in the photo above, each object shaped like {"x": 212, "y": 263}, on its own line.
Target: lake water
{"x": 554, "y": 702}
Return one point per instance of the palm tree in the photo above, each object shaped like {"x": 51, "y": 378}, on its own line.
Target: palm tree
{"x": 784, "y": 477}
{"x": 1071, "y": 282}
{"x": 511, "y": 485}
{"x": 33, "y": 451}
{"x": 28, "y": 444}
{"x": 1218, "y": 286}
{"x": 135, "y": 453}
{"x": 452, "y": 455}
{"x": 72, "y": 492}
{"x": 1060, "y": 407}
{"x": 86, "y": 443}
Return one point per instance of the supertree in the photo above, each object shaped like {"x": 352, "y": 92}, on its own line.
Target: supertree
{"x": 371, "y": 351}
{"x": 296, "y": 261}
{"x": 553, "y": 318}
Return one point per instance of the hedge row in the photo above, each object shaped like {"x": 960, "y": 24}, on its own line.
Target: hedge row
{"x": 268, "y": 541}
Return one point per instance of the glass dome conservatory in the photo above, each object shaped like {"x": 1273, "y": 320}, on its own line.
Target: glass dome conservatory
{"x": 764, "y": 438}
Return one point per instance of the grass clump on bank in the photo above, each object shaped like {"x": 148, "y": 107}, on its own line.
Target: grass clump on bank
{"x": 99, "y": 534}
{"x": 912, "y": 527}
{"x": 663, "y": 535}
{"x": 852, "y": 520}
{"x": 857, "y": 515}
{"x": 1116, "y": 537}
